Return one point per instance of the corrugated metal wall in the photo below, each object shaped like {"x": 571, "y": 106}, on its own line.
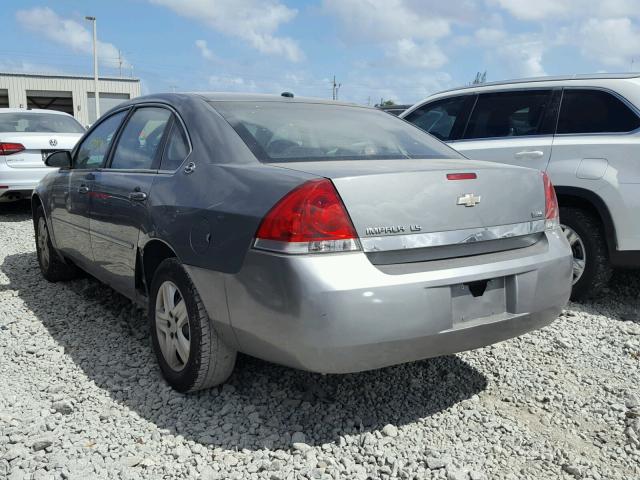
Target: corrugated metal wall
{"x": 17, "y": 86}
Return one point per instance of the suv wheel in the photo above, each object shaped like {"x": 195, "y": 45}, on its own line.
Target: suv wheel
{"x": 591, "y": 268}
{"x": 52, "y": 266}
{"x": 191, "y": 354}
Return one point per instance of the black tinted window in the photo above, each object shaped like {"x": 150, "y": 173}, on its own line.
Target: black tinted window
{"x": 439, "y": 118}
{"x": 283, "y": 131}
{"x": 138, "y": 145}
{"x": 39, "y": 122}
{"x": 594, "y": 111}
{"x": 93, "y": 148}
{"x": 177, "y": 148}
{"x": 510, "y": 114}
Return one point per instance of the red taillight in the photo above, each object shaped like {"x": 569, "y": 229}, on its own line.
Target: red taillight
{"x": 551, "y": 210}
{"x": 10, "y": 148}
{"x": 310, "y": 218}
{"x": 461, "y": 176}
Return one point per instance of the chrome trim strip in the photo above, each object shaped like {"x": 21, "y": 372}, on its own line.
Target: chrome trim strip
{"x": 450, "y": 237}
{"x": 299, "y": 248}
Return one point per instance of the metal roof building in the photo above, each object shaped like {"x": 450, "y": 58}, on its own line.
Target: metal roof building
{"x": 72, "y": 94}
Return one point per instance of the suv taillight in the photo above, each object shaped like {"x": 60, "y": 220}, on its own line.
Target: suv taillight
{"x": 310, "y": 218}
{"x": 10, "y": 148}
{"x": 551, "y": 210}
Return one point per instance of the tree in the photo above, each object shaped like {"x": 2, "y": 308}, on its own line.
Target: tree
{"x": 480, "y": 78}
{"x": 385, "y": 103}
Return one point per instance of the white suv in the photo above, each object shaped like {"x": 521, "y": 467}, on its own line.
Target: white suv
{"x": 583, "y": 130}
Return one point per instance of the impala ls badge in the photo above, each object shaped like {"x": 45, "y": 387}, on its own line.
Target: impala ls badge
{"x": 53, "y": 142}
{"x": 469, "y": 200}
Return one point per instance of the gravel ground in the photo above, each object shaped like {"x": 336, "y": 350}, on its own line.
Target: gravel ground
{"x": 81, "y": 397}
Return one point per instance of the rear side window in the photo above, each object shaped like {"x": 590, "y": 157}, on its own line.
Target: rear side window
{"x": 510, "y": 114}
{"x": 139, "y": 143}
{"x": 177, "y": 148}
{"x": 444, "y": 119}
{"x": 31, "y": 122}
{"x": 93, "y": 149}
{"x": 595, "y": 111}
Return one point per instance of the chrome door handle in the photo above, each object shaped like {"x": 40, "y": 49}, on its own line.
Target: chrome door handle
{"x": 83, "y": 189}
{"x": 529, "y": 154}
{"x": 138, "y": 196}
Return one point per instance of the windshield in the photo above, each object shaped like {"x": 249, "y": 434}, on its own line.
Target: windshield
{"x": 39, "y": 122}
{"x": 280, "y": 131}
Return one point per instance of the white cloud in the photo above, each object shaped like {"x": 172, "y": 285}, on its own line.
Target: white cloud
{"x": 254, "y": 21}
{"x": 407, "y": 30}
{"x": 421, "y": 55}
{"x": 571, "y": 9}
{"x": 613, "y": 41}
{"x": 70, "y": 33}
{"x": 520, "y": 55}
{"x": 204, "y": 49}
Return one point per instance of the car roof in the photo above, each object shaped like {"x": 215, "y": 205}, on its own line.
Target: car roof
{"x": 31, "y": 110}
{"x": 561, "y": 78}
{"x": 246, "y": 97}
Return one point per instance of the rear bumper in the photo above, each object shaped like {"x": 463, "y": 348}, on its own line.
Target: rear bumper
{"x": 339, "y": 313}
{"x": 20, "y": 181}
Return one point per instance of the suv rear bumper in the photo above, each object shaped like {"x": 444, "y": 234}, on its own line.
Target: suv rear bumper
{"x": 338, "y": 313}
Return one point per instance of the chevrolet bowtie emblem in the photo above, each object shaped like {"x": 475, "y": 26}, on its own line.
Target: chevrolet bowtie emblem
{"x": 469, "y": 200}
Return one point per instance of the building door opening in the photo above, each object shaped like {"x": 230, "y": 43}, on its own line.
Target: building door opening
{"x": 50, "y": 100}
{"x": 4, "y": 98}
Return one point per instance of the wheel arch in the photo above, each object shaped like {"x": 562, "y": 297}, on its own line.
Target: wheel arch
{"x": 588, "y": 200}
{"x": 149, "y": 257}
{"x": 36, "y": 202}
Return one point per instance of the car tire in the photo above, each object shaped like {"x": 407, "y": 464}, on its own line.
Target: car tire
{"x": 586, "y": 237}
{"x": 191, "y": 355}
{"x": 52, "y": 266}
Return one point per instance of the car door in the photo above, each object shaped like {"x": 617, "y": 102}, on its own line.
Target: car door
{"x": 119, "y": 210}
{"x": 73, "y": 191}
{"x": 596, "y": 148}
{"x": 514, "y": 127}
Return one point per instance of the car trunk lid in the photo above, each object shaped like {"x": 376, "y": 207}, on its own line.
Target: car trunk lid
{"x": 36, "y": 147}
{"x": 418, "y": 207}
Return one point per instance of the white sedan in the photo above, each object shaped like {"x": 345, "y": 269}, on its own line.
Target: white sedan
{"x": 26, "y": 138}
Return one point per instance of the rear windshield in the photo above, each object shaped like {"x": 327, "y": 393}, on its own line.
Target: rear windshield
{"x": 38, "y": 122}
{"x": 281, "y": 132}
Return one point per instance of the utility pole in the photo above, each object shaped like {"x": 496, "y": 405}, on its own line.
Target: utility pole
{"x": 173, "y": 88}
{"x": 120, "y": 62}
{"x": 95, "y": 64}
{"x": 336, "y": 88}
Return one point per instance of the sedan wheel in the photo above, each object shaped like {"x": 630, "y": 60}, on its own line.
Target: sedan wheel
{"x": 190, "y": 352}
{"x": 578, "y": 251}
{"x": 52, "y": 266}
{"x": 172, "y": 326}
{"x": 43, "y": 243}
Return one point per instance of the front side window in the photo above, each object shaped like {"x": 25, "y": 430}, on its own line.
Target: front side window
{"x": 442, "y": 118}
{"x": 92, "y": 151}
{"x": 510, "y": 114}
{"x": 595, "y": 111}
{"x": 296, "y": 131}
{"x": 176, "y": 149}
{"x": 139, "y": 143}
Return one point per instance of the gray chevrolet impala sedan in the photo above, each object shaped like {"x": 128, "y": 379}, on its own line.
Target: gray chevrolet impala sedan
{"x": 319, "y": 235}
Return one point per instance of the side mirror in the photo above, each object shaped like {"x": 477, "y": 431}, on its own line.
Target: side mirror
{"x": 60, "y": 159}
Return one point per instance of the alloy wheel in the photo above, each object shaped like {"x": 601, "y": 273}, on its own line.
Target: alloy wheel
{"x": 43, "y": 242}
{"x": 578, "y": 251}
{"x": 172, "y": 326}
